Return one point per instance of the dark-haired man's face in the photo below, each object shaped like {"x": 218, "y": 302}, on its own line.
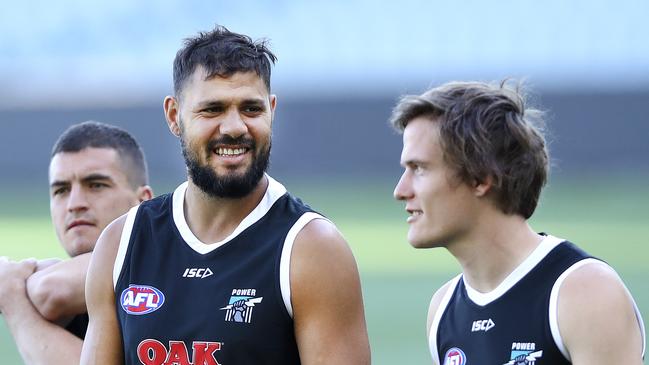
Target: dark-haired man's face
{"x": 88, "y": 190}
{"x": 225, "y": 126}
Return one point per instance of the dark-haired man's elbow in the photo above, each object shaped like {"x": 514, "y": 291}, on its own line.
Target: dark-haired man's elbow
{"x": 49, "y": 296}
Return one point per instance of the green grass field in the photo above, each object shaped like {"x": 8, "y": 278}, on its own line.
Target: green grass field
{"x": 610, "y": 219}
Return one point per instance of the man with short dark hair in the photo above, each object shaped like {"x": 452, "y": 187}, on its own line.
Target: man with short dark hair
{"x": 97, "y": 172}
{"x": 230, "y": 268}
{"x": 475, "y": 162}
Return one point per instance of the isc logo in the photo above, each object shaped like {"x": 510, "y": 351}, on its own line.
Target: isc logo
{"x": 482, "y": 325}
{"x": 153, "y": 352}
{"x": 141, "y": 299}
{"x": 197, "y": 273}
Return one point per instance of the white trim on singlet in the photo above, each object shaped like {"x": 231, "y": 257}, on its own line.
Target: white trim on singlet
{"x": 432, "y": 335}
{"x": 274, "y": 191}
{"x": 539, "y": 253}
{"x": 285, "y": 259}
{"x": 553, "y": 308}
{"x": 123, "y": 243}
{"x": 643, "y": 331}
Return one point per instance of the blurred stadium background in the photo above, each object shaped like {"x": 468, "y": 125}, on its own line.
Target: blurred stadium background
{"x": 342, "y": 65}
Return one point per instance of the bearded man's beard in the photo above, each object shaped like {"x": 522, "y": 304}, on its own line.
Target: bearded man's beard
{"x": 230, "y": 185}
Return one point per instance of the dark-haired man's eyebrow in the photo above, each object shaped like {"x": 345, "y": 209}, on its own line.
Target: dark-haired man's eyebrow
{"x": 96, "y": 177}
{"x": 86, "y": 179}
{"x": 59, "y": 183}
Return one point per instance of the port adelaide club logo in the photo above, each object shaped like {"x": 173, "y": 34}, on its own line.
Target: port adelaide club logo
{"x": 524, "y": 353}
{"x": 241, "y": 304}
{"x": 141, "y": 299}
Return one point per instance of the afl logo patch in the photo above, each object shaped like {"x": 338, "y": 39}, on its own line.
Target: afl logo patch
{"x": 454, "y": 356}
{"x": 141, "y": 299}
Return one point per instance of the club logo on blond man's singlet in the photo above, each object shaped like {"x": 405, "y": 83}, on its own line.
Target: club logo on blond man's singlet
{"x": 524, "y": 353}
